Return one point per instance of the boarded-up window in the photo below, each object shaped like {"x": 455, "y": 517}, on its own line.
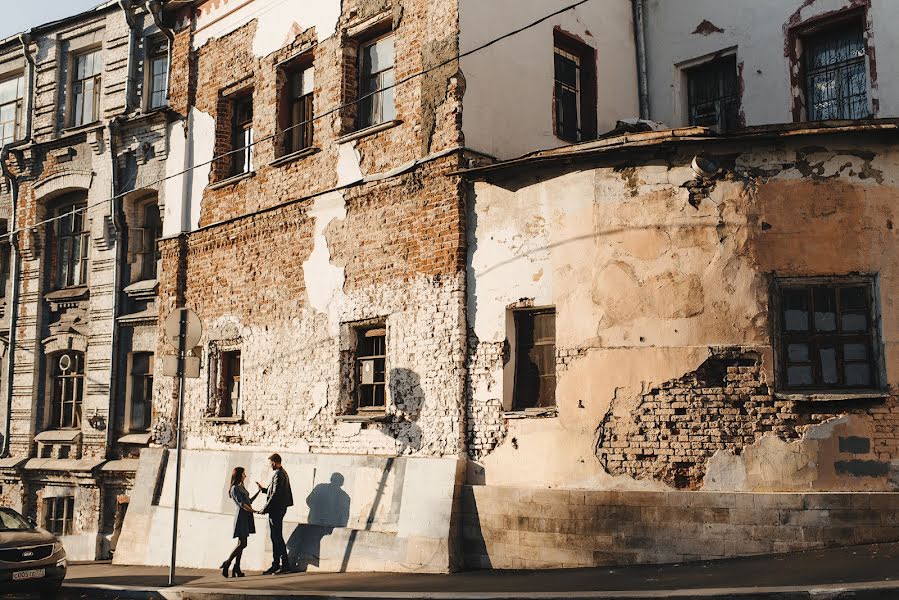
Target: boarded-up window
{"x": 535, "y": 359}
{"x": 827, "y": 336}
{"x": 835, "y": 73}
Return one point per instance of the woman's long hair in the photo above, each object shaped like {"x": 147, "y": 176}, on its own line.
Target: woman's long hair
{"x": 236, "y": 476}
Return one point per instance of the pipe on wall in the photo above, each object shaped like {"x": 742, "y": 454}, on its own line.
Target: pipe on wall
{"x": 640, "y": 39}
{"x": 125, "y": 5}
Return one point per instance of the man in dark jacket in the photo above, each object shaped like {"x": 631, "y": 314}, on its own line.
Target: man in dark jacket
{"x": 278, "y": 498}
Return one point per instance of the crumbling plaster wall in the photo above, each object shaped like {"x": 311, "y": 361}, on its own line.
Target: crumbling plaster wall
{"x": 651, "y": 276}
{"x": 758, "y": 30}
{"x": 509, "y": 110}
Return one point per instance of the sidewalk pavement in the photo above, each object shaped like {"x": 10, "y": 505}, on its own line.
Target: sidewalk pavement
{"x": 857, "y": 572}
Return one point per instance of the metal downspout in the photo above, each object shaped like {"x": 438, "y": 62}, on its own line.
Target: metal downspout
{"x": 125, "y": 5}
{"x": 640, "y": 39}
{"x": 15, "y": 266}
{"x": 115, "y": 210}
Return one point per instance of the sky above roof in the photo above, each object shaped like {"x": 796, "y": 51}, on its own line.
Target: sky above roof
{"x": 19, "y": 15}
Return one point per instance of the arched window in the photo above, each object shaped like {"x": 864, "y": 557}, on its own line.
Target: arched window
{"x": 68, "y": 390}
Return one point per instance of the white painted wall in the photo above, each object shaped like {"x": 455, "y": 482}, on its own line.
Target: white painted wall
{"x": 756, "y": 28}
{"x": 509, "y": 86}
{"x": 191, "y": 143}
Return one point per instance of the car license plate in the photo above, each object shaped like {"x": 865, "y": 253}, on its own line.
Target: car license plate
{"x": 32, "y": 574}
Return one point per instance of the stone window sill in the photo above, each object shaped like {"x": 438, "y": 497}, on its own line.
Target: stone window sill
{"x": 373, "y": 417}
{"x": 294, "y": 156}
{"x": 232, "y": 180}
{"x": 139, "y": 438}
{"x": 77, "y": 129}
{"x": 361, "y": 133}
{"x": 67, "y": 293}
{"x": 224, "y": 420}
{"x": 832, "y": 395}
{"x": 532, "y": 413}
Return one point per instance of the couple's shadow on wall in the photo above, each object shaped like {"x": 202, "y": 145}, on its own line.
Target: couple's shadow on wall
{"x": 329, "y": 507}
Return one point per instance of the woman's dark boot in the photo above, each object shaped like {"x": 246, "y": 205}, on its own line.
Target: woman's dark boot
{"x": 225, "y": 566}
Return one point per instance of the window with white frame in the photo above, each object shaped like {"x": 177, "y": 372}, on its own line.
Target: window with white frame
{"x": 12, "y": 94}
{"x": 87, "y": 69}
{"x": 59, "y": 515}
{"x": 157, "y": 67}
{"x": 376, "y": 80}
{"x": 73, "y": 245}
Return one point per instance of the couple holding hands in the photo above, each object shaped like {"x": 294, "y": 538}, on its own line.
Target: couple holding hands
{"x": 278, "y": 498}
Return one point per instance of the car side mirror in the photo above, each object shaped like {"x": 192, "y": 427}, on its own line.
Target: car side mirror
{"x": 32, "y": 522}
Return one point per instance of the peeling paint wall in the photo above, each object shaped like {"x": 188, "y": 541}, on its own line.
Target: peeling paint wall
{"x": 759, "y": 31}
{"x": 653, "y": 275}
{"x": 509, "y": 110}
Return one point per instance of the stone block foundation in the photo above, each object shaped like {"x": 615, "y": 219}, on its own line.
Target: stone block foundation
{"x": 524, "y": 528}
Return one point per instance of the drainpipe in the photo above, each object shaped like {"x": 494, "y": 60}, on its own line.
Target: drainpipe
{"x": 125, "y": 5}
{"x": 118, "y": 221}
{"x": 14, "y": 267}
{"x": 640, "y": 39}
{"x": 155, "y": 8}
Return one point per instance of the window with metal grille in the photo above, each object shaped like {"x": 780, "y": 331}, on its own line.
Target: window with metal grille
{"x": 157, "y": 66}
{"x": 574, "y": 94}
{"x": 242, "y": 135}
{"x": 59, "y": 515}
{"x": 12, "y": 94}
{"x": 713, "y": 95}
{"x": 141, "y": 394}
{"x": 371, "y": 368}
{"x": 86, "y": 78}
{"x": 835, "y": 73}
{"x": 535, "y": 359}
{"x": 376, "y": 76}
{"x": 73, "y": 245}
{"x": 827, "y": 335}
{"x": 298, "y": 125}
{"x": 68, "y": 390}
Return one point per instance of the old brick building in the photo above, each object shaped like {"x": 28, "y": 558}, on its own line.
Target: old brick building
{"x": 489, "y": 317}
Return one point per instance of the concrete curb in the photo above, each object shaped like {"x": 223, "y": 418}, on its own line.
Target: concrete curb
{"x": 870, "y": 590}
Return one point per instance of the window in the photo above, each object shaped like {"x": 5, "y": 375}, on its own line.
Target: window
{"x": 157, "y": 66}
{"x": 72, "y": 248}
{"x": 228, "y": 388}
{"x": 535, "y": 359}
{"x": 140, "y": 396}
{"x": 836, "y": 79}
{"x": 298, "y": 124}
{"x": 59, "y": 515}
{"x": 713, "y": 94}
{"x": 827, "y": 338}
{"x": 68, "y": 390}
{"x": 86, "y": 71}
{"x": 12, "y": 93}
{"x": 143, "y": 243}
{"x": 242, "y": 135}
{"x": 574, "y": 95}
{"x": 371, "y": 363}
{"x": 376, "y": 72}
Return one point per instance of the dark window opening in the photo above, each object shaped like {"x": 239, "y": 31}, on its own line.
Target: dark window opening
{"x": 12, "y": 94}
{"x": 827, "y": 336}
{"x": 574, "y": 94}
{"x": 157, "y": 73}
{"x": 229, "y": 384}
{"x": 141, "y": 397}
{"x": 68, "y": 390}
{"x": 143, "y": 243}
{"x": 835, "y": 73}
{"x": 87, "y": 69}
{"x": 298, "y": 125}
{"x": 73, "y": 243}
{"x": 713, "y": 94}
{"x": 242, "y": 135}
{"x": 59, "y": 515}
{"x": 535, "y": 359}
{"x": 376, "y": 78}
{"x": 371, "y": 368}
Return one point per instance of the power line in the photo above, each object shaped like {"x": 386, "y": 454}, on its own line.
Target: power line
{"x": 327, "y": 113}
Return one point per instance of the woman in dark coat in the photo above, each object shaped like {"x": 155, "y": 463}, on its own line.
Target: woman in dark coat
{"x": 243, "y": 519}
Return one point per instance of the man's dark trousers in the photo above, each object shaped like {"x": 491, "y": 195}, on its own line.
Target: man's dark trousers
{"x": 279, "y": 548}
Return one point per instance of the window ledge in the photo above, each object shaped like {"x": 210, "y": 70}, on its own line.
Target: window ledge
{"x": 533, "y": 413}
{"x": 231, "y": 180}
{"x": 374, "y": 417}
{"x": 67, "y": 293}
{"x": 361, "y": 133}
{"x": 224, "y": 420}
{"x": 289, "y": 158}
{"x": 832, "y": 395}
{"x": 139, "y": 438}
{"x": 58, "y": 435}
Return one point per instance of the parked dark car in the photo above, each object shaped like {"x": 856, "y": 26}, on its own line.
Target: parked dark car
{"x": 31, "y": 559}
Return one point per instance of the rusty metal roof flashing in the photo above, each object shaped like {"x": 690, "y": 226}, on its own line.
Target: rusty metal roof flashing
{"x": 682, "y": 135}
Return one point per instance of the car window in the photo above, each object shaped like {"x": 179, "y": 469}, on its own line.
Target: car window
{"x": 10, "y": 520}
